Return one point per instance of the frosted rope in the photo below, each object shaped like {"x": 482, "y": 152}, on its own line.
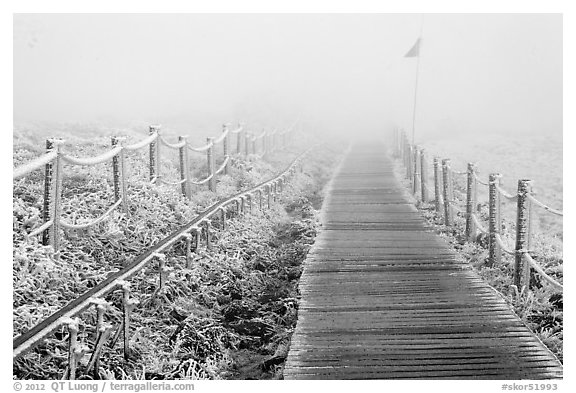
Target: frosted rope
{"x": 479, "y": 225}
{"x": 41, "y": 228}
{"x": 142, "y": 143}
{"x": 221, "y": 137}
{"x": 93, "y": 222}
{"x": 540, "y": 271}
{"x": 33, "y": 165}
{"x": 503, "y": 246}
{"x": 200, "y": 182}
{"x": 222, "y": 166}
{"x": 545, "y": 207}
{"x": 169, "y": 183}
{"x": 506, "y": 194}
{"x": 92, "y": 160}
{"x": 201, "y": 148}
{"x": 172, "y": 145}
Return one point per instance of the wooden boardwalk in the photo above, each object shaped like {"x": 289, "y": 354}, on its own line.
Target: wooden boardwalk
{"x": 383, "y": 297}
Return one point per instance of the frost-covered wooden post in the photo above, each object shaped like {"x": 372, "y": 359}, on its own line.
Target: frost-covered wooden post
{"x": 154, "y": 154}
{"x": 119, "y": 174}
{"x": 53, "y": 195}
{"x": 246, "y": 143}
{"x": 253, "y": 139}
{"x": 161, "y": 269}
{"x": 225, "y": 147}
{"x": 407, "y": 160}
{"x": 269, "y": 195}
{"x": 188, "y": 249}
{"x": 208, "y": 236}
{"x": 260, "y": 199}
{"x": 415, "y": 170}
{"x": 211, "y": 164}
{"x": 423, "y": 176}
{"x": 437, "y": 186}
{"x": 128, "y": 305}
{"x": 521, "y": 268}
{"x": 239, "y": 141}
{"x": 447, "y": 183}
{"x": 74, "y": 348}
{"x": 185, "y": 177}
{"x": 494, "y": 224}
{"x": 103, "y": 330}
{"x": 223, "y": 217}
{"x": 470, "y": 202}
{"x": 51, "y": 144}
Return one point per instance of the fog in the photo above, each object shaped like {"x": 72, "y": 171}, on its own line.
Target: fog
{"x": 345, "y": 73}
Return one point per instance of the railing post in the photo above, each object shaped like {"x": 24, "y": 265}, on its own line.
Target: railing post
{"x": 207, "y": 232}
{"x": 128, "y": 305}
{"x": 239, "y": 141}
{"x": 447, "y": 183}
{"x": 415, "y": 171}
{"x": 184, "y": 167}
{"x": 119, "y": 174}
{"x": 48, "y": 172}
{"x": 211, "y": 165}
{"x": 437, "y": 186}
{"x": 246, "y": 144}
{"x": 521, "y": 268}
{"x": 154, "y": 145}
{"x": 223, "y": 217}
{"x": 494, "y": 224}
{"x": 188, "y": 248}
{"x": 470, "y": 202}
{"x": 253, "y": 139}
{"x": 55, "y": 195}
{"x": 226, "y": 148}
{"x": 407, "y": 160}
{"x": 423, "y": 176}
{"x": 74, "y": 348}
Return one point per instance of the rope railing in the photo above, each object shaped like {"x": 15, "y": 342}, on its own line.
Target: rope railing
{"x": 545, "y": 207}
{"x": 87, "y": 225}
{"x": 448, "y": 198}
{"x": 143, "y": 143}
{"x": 33, "y": 165}
{"x": 107, "y": 156}
{"x": 172, "y": 145}
{"x": 53, "y": 161}
{"x": 201, "y": 149}
{"x": 68, "y": 315}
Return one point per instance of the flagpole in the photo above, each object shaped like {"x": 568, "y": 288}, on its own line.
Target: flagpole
{"x": 416, "y": 81}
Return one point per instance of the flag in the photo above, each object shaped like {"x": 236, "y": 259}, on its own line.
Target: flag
{"x": 415, "y": 50}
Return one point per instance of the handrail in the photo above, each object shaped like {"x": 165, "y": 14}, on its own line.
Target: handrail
{"x": 524, "y": 198}
{"x": 221, "y": 137}
{"x": 542, "y": 273}
{"x": 36, "y": 334}
{"x": 33, "y": 165}
{"x": 545, "y": 207}
{"x": 142, "y": 143}
{"x": 222, "y": 166}
{"x": 92, "y": 160}
{"x": 171, "y": 145}
{"x": 201, "y": 148}
{"x": 67, "y": 225}
{"x": 506, "y": 194}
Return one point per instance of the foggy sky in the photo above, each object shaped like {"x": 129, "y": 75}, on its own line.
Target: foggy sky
{"x": 478, "y": 72}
